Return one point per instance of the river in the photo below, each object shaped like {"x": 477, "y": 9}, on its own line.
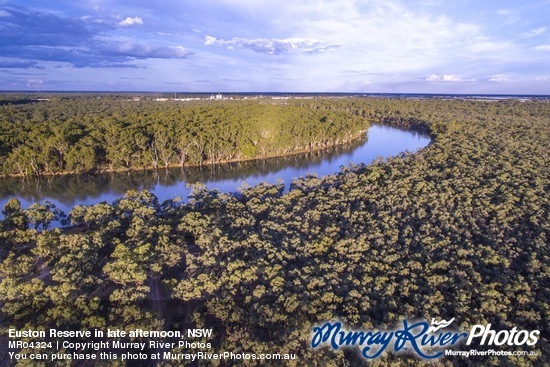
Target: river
{"x": 69, "y": 190}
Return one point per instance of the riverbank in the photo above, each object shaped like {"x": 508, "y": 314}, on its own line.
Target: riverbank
{"x": 420, "y": 127}
{"x": 104, "y": 170}
{"x": 86, "y": 135}
{"x": 67, "y": 191}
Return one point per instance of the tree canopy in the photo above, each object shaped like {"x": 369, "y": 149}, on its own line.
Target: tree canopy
{"x": 87, "y": 133}
{"x": 459, "y": 230}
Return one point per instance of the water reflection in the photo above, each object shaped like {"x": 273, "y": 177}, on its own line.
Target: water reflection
{"x": 68, "y": 191}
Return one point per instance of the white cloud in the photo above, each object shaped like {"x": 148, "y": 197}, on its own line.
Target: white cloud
{"x": 484, "y": 46}
{"x": 34, "y": 82}
{"x": 131, "y": 49}
{"x": 4, "y": 13}
{"x": 92, "y": 19}
{"x": 130, "y": 21}
{"x": 181, "y": 51}
{"x": 381, "y": 36}
{"x": 270, "y": 46}
{"x": 446, "y": 78}
{"x": 535, "y": 32}
{"x": 543, "y": 78}
{"x": 543, "y": 48}
{"x": 499, "y": 78}
{"x": 431, "y": 2}
{"x": 504, "y": 12}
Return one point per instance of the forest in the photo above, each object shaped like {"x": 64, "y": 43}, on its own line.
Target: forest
{"x": 458, "y": 230}
{"x": 108, "y": 133}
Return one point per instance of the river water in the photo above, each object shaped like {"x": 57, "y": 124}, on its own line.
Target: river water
{"x": 70, "y": 190}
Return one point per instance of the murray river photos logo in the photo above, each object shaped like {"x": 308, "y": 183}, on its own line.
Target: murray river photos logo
{"x": 428, "y": 341}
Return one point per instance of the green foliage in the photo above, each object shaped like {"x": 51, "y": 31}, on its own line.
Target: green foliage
{"x": 83, "y": 134}
{"x": 14, "y": 217}
{"x": 459, "y": 229}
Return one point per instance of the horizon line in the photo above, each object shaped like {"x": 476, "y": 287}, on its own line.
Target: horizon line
{"x": 272, "y": 92}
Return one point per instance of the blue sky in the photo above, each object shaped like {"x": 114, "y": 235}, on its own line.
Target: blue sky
{"x": 437, "y": 46}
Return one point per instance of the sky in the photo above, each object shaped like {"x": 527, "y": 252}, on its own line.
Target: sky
{"x": 354, "y": 46}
